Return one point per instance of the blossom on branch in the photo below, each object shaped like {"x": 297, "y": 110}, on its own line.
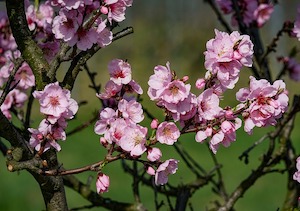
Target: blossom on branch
{"x": 164, "y": 170}
{"x": 266, "y": 103}
{"x": 102, "y": 183}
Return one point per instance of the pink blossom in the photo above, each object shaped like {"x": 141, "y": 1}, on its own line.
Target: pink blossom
{"x": 296, "y": 29}
{"x": 116, "y": 11}
{"x": 154, "y": 123}
{"x": 102, "y": 183}
{"x": 104, "y": 35}
{"x": 7, "y": 41}
{"x": 41, "y": 17}
{"x": 14, "y": 98}
{"x": 219, "y": 49}
{"x": 66, "y": 24}
{"x": 164, "y": 170}
{"x": 50, "y": 49}
{"x": 150, "y": 170}
{"x": 117, "y": 130}
{"x": 225, "y": 5}
{"x": 200, "y": 83}
{"x": 175, "y": 92}
{"x": 131, "y": 110}
{"x": 134, "y": 140}
{"x": 293, "y": 68}
{"x": 47, "y": 133}
{"x": 24, "y": 77}
{"x": 111, "y": 89}
{"x": 267, "y": 103}
{"x": 153, "y": 154}
{"x": 226, "y": 135}
{"x": 107, "y": 116}
{"x": 208, "y": 105}
{"x": 119, "y": 71}
{"x": 167, "y": 133}
{"x": 56, "y": 102}
{"x": 243, "y": 48}
{"x": 296, "y": 175}
{"x": 133, "y": 86}
{"x": 157, "y": 82}
{"x": 84, "y": 38}
{"x": 225, "y": 56}
{"x": 202, "y": 135}
{"x": 262, "y": 13}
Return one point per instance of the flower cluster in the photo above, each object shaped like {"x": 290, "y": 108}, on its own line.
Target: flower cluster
{"x": 171, "y": 93}
{"x": 58, "y": 106}
{"x": 23, "y": 80}
{"x": 296, "y": 175}
{"x": 296, "y": 29}
{"x": 252, "y": 11}
{"x": 266, "y": 103}
{"x": 224, "y": 58}
{"x": 119, "y": 123}
{"x": 77, "y": 25}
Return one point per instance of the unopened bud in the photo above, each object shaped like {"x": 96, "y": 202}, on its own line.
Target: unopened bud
{"x": 104, "y": 10}
{"x": 200, "y": 83}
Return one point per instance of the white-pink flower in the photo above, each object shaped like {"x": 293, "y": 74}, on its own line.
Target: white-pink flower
{"x": 131, "y": 110}
{"x": 56, "y": 102}
{"x": 159, "y": 80}
{"x": 47, "y": 135}
{"x": 102, "y": 183}
{"x": 267, "y": 103}
{"x": 66, "y": 24}
{"x": 24, "y": 77}
{"x": 119, "y": 71}
{"x": 263, "y": 13}
{"x": 296, "y": 175}
{"x": 164, "y": 170}
{"x": 167, "y": 133}
{"x": 208, "y": 105}
{"x": 175, "y": 92}
{"x": 134, "y": 140}
{"x": 153, "y": 154}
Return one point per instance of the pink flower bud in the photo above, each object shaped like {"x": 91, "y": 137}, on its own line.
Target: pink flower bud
{"x": 200, "y": 83}
{"x": 103, "y": 141}
{"x": 229, "y": 114}
{"x": 103, "y": 10}
{"x": 154, "y": 154}
{"x": 102, "y": 183}
{"x": 185, "y": 78}
{"x": 154, "y": 123}
{"x": 150, "y": 171}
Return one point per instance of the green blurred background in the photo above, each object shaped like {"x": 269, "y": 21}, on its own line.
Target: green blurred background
{"x": 174, "y": 31}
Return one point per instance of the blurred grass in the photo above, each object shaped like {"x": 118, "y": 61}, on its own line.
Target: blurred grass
{"x": 159, "y": 37}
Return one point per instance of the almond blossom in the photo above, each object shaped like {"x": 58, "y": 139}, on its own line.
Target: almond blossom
{"x": 167, "y": 133}
{"x": 262, "y": 13}
{"x": 119, "y": 71}
{"x": 164, "y": 170}
{"x": 296, "y": 175}
{"x": 102, "y": 183}
{"x": 56, "y": 102}
{"x": 134, "y": 140}
{"x": 225, "y": 56}
{"x": 267, "y": 103}
{"x": 131, "y": 110}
